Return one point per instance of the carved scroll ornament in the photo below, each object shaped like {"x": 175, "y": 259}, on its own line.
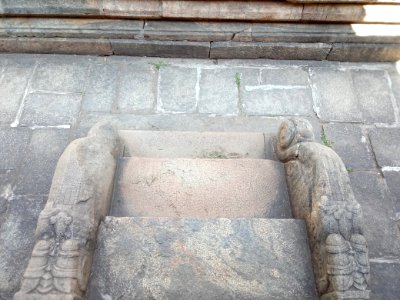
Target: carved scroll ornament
{"x": 321, "y": 194}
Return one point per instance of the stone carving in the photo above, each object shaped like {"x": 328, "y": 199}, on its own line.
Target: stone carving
{"x": 321, "y": 194}
{"x": 80, "y": 196}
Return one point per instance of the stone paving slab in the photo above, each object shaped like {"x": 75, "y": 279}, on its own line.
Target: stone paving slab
{"x": 13, "y": 82}
{"x": 347, "y": 96}
{"x": 181, "y": 144}
{"x": 200, "y": 188}
{"x": 381, "y": 230}
{"x": 136, "y": 88}
{"x": 43, "y": 152}
{"x": 12, "y": 147}
{"x": 386, "y": 145}
{"x": 177, "y": 89}
{"x": 60, "y": 76}
{"x": 393, "y": 182}
{"x": 100, "y": 92}
{"x": 352, "y": 145}
{"x": 384, "y": 280}
{"x": 60, "y": 109}
{"x": 184, "y": 259}
{"x": 18, "y": 230}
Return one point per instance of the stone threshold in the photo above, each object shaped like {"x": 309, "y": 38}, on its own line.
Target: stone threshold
{"x": 261, "y": 11}
{"x": 189, "y": 39}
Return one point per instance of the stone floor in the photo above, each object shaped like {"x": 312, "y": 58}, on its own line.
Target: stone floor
{"x": 46, "y": 101}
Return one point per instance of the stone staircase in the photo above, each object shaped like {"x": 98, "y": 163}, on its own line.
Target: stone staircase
{"x": 192, "y": 215}
{"x": 200, "y": 216}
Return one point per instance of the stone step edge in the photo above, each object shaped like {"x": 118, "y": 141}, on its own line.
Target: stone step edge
{"x": 354, "y": 52}
{"x": 210, "y": 10}
{"x": 148, "y": 30}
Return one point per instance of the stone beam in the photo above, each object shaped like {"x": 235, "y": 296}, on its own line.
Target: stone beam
{"x": 321, "y": 194}
{"x": 80, "y": 196}
{"x": 266, "y": 11}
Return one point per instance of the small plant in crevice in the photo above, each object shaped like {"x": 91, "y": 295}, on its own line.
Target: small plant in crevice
{"x": 158, "y": 65}
{"x": 325, "y": 140}
{"x": 349, "y": 169}
{"x": 237, "y": 80}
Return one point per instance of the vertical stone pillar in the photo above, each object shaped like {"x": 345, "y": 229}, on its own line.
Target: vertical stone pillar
{"x": 80, "y": 196}
{"x": 321, "y": 194}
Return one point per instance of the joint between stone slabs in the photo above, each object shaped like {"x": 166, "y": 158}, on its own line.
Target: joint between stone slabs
{"x": 23, "y": 100}
{"x": 316, "y": 105}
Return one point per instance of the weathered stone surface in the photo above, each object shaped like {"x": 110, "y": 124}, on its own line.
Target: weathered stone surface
{"x": 345, "y": 1}
{"x": 17, "y": 240}
{"x": 12, "y": 147}
{"x": 193, "y": 31}
{"x": 322, "y": 33}
{"x": 132, "y": 8}
{"x": 277, "y": 91}
{"x": 386, "y": 145}
{"x": 392, "y": 180}
{"x": 284, "y": 76}
{"x": 364, "y": 95}
{"x": 190, "y": 122}
{"x": 56, "y": 46}
{"x": 202, "y": 259}
{"x": 177, "y": 89}
{"x": 207, "y": 10}
{"x": 331, "y": 87}
{"x": 200, "y": 188}
{"x": 238, "y": 10}
{"x": 364, "y": 52}
{"x": 183, "y": 144}
{"x": 351, "y": 144}
{"x": 161, "y": 48}
{"x": 61, "y": 76}
{"x": 382, "y": 232}
{"x": 80, "y": 196}
{"x": 394, "y": 75}
{"x": 51, "y": 109}
{"x": 136, "y": 88}
{"x": 70, "y": 27}
{"x": 384, "y": 280}
{"x": 351, "y": 13}
{"x": 50, "y": 7}
{"x": 270, "y": 101}
{"x": 321, "y": 194}
{"x": 219, "y": 90}
{"x": 317, "y": 51}
{"x": 100, "y": 91}
{"x": 12, "y": 86}
{"x": 43, "y": 151}
{"x": 373, "y": 94}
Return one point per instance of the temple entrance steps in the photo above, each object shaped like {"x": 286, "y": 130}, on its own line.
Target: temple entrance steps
{"x": 200, "y": 216}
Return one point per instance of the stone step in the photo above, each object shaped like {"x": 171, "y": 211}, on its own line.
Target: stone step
{"x": 244, "y": 10}
{"x": 187, "y": 144}
{"x": 200, "y": 188}
{"x": 206, "y": 39}
{"x": 160, "y": 258}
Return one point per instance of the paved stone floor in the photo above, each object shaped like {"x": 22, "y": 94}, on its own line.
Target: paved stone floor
{"x": 46, "y": 101}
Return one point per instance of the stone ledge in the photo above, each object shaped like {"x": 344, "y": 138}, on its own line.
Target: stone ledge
{"x": 277, "y": 11}
{"x": 216, "y": 40}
